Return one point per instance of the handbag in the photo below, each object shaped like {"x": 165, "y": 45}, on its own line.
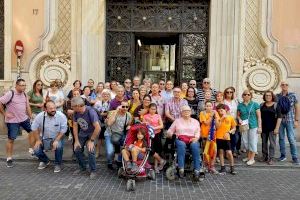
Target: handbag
{"x": 184, "y": 138}
{"x": 47, "y": 142}
{"x": 245, "y": 127}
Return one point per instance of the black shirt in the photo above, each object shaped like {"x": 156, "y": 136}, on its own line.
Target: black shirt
{"x": 269, "y": 117}
{"x": 194, "y": 106}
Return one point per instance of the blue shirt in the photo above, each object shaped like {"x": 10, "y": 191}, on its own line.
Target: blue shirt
{"x": 244, "y": 110}
{"x": 52, "y": 126}
{"x": 86, "y": 121}
{"x": 290, "y": 116}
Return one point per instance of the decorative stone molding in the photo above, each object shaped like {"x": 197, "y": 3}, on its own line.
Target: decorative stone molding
{"x": 260, "y": 75}
{"x": 54, "y": 67}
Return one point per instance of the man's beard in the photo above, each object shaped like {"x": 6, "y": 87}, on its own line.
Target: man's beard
{"x": 51, "y": 113}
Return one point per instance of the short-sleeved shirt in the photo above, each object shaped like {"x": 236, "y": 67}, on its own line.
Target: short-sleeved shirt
{"x": 56, "y": 98}
{"x": 226, "y": 125}
{"x": 137, "y": 110}
{"x": 244, "y": 113}
{"x": 201, "y": 94}
{"x": 114, "y": 104}
{"x": 85, "y": 121}
{"x": 269, "y": 116}
{"x": 153, "y": 120}
{"x": 35, "y": 100}
{"x": 17, "y": 106}
{"x": 194, "y": 105}
{"x": 133, "y": 106}
{"x": 52, "y": 126}
{"x": 166, "y": 95}
{"x": 233, "y": 104}
{"x": 189, "y": 128}
{"x": 159, "y": 101}
{"x": 203, "y": 117}
{"x": 119, "y": 124}
{"x": 173, "y": 107}
{"x": 290, "y": 116}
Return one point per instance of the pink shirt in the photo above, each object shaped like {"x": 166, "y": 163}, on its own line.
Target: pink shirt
{"x": 189, "y": 128}
{"x": 153, "y": 120}
{"x": 17, "y": 106}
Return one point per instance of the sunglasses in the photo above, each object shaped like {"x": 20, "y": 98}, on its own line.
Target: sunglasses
{"x": 284, "y": 84}
{"x": 246, "y": 94}
{"x": 192, "y": 84}
{"x": 127, "y": 82}
{"x": 125, "y": 106}
{"x": 229, "y": 92}
{"x": 206, "y": 82}
{"x": 161, "y": 84}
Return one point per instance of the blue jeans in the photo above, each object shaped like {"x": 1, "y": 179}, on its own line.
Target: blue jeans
{"x": 195, "y": 149}
{"x": 110, "y": 148}
{"x": 58, "y": 153}
{"x": 288, "y": 128}
{"x": 80, "y": 157}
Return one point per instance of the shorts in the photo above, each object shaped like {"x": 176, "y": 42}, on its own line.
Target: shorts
{"x": 140, "y": 156}
{"x": 223, "y": 145}
{"x": 14, "y": 128}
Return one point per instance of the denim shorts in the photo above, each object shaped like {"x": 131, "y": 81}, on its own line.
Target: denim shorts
{"x": 14, "y": 128}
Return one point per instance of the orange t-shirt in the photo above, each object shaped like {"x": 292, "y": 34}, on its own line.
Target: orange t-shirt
{"x": 226, "y": 125}
{"x": 138, "y": 143}
{"x": 203, "y": 117}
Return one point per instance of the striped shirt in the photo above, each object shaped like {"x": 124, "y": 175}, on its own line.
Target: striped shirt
{"x": 201, "y": 94}
{"x": 290, "y": 116}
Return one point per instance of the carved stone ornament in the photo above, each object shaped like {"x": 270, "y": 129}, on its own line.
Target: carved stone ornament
{"x": 260, "y": 75}
{"x": 55, "y": 67}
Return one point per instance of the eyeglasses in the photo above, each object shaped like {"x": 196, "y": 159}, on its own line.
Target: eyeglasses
{"x": 127, "y": 82}
{"x": 229, "y": 92}
{"x": 39, "y": 84}
{"x": 146, "y": 99}
{"x": 192, "y": 83}
{"x": 284, "y": 84}
{"x": 206, "y": 82}
{"x": 246, "y": 94}
{"x": 125, "y": 106}
{"x": 177, "y": 91}
{"x": 161, "y": 84}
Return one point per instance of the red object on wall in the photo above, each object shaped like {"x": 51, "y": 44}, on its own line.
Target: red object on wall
{"x": 19, "y": 48}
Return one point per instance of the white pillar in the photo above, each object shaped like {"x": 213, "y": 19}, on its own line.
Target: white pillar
{"x": 225, "y": 42}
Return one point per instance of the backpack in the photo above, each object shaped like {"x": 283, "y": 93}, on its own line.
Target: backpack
{"x": 284, "y": 104}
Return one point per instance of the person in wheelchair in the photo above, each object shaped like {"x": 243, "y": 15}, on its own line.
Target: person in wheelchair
{"x": 187, "y": 132}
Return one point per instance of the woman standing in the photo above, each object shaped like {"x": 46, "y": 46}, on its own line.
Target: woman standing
{"x": 143, "y": 91}
{"x": 36, "y": 102}
{"x": 76, "y": 86}
{"x": 134, "y": 102}
{"x": 99, "y": 89}
{"x": 232, "y": 103}
{"x": 142, "y": 109}
{"x": 193, "y": 102}
{"x": 56, "y": 96}
{"x": 184, "y": 88}
{"x": 271, "y": 119}
{"x": 250, "y": 125}
{"x": 220, "y": 100}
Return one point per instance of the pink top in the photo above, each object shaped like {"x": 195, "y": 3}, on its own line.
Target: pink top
{"x": 153, "y": 120}
{"x": 17, "y": 107}
{"x": 189, "y": 127}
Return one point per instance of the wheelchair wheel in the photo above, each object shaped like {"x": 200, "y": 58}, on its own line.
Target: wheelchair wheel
{"x": 171, "y": 173}
{"x": 152, "y": 174}
{"x": 120, "y": 172}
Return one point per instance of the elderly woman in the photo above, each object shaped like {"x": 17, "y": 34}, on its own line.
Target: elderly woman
{"x": 187, "y": 131}
{"x": 250, "y": 125}
{"x": 271, "y": 120}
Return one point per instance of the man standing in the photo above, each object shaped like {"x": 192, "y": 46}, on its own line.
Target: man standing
{"x": 49, "y": 128}
{"x": 127, "y": 86}
{"x": 290, "y": 121}
{"x": 193, "y": 84}
{"x": 116, "y": 102}
{"x": 136, "y": 83}
{"x": 162, "y": 85}
{"x": 167, "y": 94}
{"x": 88, "y": 121}
{"x": 17, "y": 113}
{"x": 157, "y": 99}
{"x": 206, "y": 87}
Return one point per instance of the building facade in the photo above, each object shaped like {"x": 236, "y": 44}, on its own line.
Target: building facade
{"x": 240, "y": 43}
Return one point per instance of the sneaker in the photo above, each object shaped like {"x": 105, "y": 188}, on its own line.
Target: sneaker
{"x": 222, "y": 171}
{"x": 282, "y": 158}
{"x": 161, "y": 165}
{"x": 57, "y": 168}
{"x": 296, "y": 161}
{"x": 43, "y": 165}
{"x": 31, "y": 152}
{"x": 93, "y": 175}
{"x": 232, "y": 171}
{"x": 9, "y": 163}
{"x": 181, "y": 173}
{"x": 134, "y": 168}
{"x": 245, "y": 160}
{"x": 196, "y": 175}
{"x": 270, "y": 161}
{"x": 250, "y": 162}
{"x": 110, "y": 166}
{"x": 213, "y": 171}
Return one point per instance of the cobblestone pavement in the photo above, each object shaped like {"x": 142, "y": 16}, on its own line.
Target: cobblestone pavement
{"x": 25, "y": 181}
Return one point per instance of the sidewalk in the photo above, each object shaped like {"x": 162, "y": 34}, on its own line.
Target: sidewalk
{"x": 21, "y": 153}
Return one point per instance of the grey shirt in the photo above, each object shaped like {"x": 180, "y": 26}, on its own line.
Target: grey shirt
{"x": 118, "y": 125}
{"x": 52, "y": 126}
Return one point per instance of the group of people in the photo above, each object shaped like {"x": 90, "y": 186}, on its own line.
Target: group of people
{"x": 93, "y": 116}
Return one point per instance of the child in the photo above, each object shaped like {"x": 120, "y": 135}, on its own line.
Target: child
{"x": 154, "y": 120}
{"x": 206, "y": 118}
{"x": 225, "y": 126}
{"x": 136, "y": 150}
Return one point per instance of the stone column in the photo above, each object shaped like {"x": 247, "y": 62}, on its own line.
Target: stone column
{"x": 225, "y": 42}
{"x": 93, "y": 40}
